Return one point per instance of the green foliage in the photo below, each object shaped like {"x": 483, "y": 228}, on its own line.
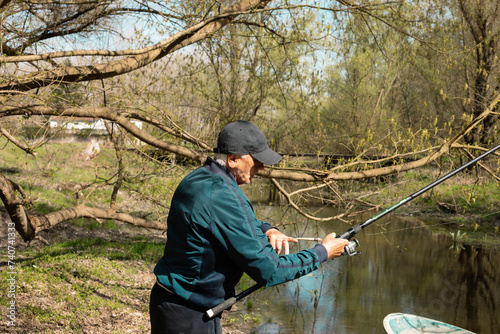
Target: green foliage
{"x": 388, "y": 91}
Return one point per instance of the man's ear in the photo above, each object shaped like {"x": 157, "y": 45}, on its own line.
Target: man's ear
{"x": 232, "y": 160}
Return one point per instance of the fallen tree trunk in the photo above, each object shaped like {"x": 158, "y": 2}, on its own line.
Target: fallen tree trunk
{"x": 15, "y": 208}
{"x": 28, "y": 225}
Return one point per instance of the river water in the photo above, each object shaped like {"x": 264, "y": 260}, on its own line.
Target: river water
{"x": 402, "y": 267}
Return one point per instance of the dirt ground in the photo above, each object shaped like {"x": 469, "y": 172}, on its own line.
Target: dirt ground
{"x": 131, "y": 319}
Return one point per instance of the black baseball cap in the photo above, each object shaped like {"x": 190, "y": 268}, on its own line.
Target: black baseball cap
{"x": 243, "y": 137}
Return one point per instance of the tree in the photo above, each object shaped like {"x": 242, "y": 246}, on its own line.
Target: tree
{"x": 136, "y": 83}
{"x": 481, "y": 33}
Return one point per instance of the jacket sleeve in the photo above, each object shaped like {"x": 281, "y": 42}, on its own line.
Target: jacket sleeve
{"x": 234, "y": 225}
{"x": 265, "y": 226}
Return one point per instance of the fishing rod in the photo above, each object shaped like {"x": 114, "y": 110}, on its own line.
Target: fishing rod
{"x": 351, "y": 232}
{"x": 308, "y": 239}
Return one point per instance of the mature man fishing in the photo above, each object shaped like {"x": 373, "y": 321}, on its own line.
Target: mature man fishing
{"x": 213, "y": 237}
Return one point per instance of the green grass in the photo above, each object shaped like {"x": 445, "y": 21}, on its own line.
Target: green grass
{"x": 137, "y": 248}
{"x": 65, "y": 283}
{"x": 54, "y": 177}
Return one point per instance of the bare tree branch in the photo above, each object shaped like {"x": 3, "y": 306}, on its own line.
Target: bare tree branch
{"x": 49, "y": 220}
{"x": 108, "y": 114}
{"x": 27, "y": 149}
{"x": 4, "y": 3}
{"x": 299, "y": 210}
{"x": 15, "y": 209}
{"x": 489, "y": 171}
{"x": 146, "y": 56}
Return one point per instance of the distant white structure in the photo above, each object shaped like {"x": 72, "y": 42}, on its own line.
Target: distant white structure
{"x": 76, "y": 123}
{"x": 76, "y": 126}
{"x": 82, "y": 123}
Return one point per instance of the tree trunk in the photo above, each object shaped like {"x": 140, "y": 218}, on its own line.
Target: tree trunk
{"x": 29, "y": 225}
{"x": 15, "y": 209}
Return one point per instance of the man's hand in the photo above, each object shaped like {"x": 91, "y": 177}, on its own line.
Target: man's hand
{"x": 279, "y": 241}
{"x": 334, "y": 246}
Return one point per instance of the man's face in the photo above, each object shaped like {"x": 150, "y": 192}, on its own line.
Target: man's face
{"x": 243, "y": 168}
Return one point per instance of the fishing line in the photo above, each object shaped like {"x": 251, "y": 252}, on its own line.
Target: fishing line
{"x": 408, "y": 228}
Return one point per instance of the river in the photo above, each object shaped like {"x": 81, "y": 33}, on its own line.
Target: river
{"x": 403, "y": 267}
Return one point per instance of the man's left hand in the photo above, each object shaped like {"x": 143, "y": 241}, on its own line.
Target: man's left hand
{"x": 279, "y": 241}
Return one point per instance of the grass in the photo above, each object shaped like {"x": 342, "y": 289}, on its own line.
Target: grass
{"x": 135, "y": 249}
{"x": 97, "y": 281}
{"x": 461, "y": 194}
{"x": 57, "y": 175}
{"x": 84, "y": 282}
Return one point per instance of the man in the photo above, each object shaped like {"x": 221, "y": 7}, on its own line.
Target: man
{"x": 213, "y": 237}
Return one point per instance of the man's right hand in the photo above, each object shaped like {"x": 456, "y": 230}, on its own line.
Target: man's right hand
{"x": 334, "y": 246}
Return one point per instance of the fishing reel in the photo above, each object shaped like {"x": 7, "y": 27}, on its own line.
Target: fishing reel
{"x": 351, "y": 248}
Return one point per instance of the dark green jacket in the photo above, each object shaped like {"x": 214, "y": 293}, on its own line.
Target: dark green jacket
{"x": 213, "y": 237}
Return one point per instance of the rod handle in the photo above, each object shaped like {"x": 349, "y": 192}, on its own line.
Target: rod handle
{"x": 221, "y": 307}
{"x": 351, "y": 232}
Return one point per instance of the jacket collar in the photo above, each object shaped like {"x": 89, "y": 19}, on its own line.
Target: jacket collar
{"x": 212, "y": 166}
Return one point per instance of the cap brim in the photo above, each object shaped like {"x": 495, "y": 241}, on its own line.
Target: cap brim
{"x": 267, "y": 157}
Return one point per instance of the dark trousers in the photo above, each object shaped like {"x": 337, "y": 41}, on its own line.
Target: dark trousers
{"x": 171, "y": 314}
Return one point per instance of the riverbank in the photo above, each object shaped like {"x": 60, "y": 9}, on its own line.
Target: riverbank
{"x": 86, "y": 277}
{"x": 91, "y": 278}
{"x": 471, "y": 229}
{"x": 82, "y": 277}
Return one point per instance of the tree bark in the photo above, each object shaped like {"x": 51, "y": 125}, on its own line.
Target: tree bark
{"x": 15, "y": 209}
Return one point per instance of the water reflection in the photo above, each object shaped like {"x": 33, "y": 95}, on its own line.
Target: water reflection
{"x": 479, "y": 280}
{"x": 402, "y": 267}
